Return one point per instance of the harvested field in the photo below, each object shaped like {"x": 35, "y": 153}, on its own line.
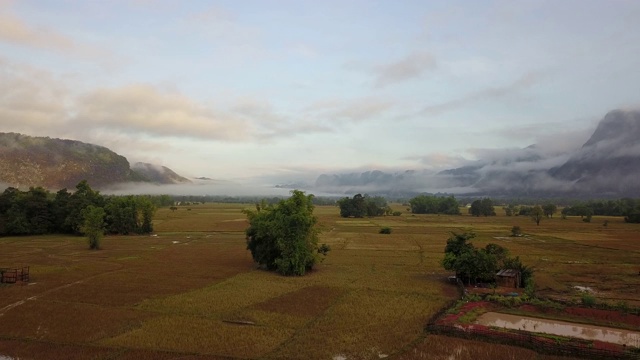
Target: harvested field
{"x": 193, "y": 291}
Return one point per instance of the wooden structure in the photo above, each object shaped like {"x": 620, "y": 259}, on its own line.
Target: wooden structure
{"x": 508, "y": 278}
{"x": 13, "y": 275}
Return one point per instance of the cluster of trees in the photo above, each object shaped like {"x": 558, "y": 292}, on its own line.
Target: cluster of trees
{"x": 37, "y": 211}
{"x": 361, "y": 206}
{"x": 482, "y": 207}
{"x": 283, "y": 237}
{"x": 480, "y": 264}
{"x": 629, "y": 208}
{"x": 547, "y": 210}
{"x": 426, "y": 204}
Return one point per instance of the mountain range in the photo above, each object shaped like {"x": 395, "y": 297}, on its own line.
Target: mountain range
{"x": 607, "y": 165}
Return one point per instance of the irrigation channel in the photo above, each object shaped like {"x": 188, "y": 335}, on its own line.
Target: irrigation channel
{"x": 560, "y": 328}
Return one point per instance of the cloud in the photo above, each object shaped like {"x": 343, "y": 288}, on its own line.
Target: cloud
{"x": 18, "y": 32}
{"x": 524, "y": 82}
{"x": 145, "y": 109}
{"x": 439, "y": 160}
{"x": 30, "y": 99}
{"x": 410, "y": 67}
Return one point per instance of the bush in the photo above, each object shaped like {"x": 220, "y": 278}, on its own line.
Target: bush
{"x": 397, "y": 213}
{"x": 516, "y": 231}
{"x": 588, "y": 300}
{"x": 385, "y": 230}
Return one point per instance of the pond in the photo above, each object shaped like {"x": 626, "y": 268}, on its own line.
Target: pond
{"x": 561, "y": 328}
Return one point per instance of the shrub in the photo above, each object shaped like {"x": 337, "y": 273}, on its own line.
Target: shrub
{"x": 516, "y": 231}
{"x": 397, "y": 213}
{"x": 588, "y": 300}
{"x": 385, "y": 230}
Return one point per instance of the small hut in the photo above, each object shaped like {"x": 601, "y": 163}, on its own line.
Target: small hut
{"x": 508, "y": 278}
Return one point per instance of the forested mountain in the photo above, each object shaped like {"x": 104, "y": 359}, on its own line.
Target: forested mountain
{"x": 27, "y": 161}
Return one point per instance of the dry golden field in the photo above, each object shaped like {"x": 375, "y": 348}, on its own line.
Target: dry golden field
{"x": 193, "y": 291}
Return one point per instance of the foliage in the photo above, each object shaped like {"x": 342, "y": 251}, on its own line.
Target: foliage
{"x": 537, "y": 214}
{"x": 482, "y": 207}
{"x": 93, "y": 225}
{"x": 510, "y": 210}
{"x": 549, "y": 209}
{"x": 36, "y": 211}
{"x": 424, "y": 204}
{"x": 588, "y": 300}
{"x": 629, "y": 208}
{"x": 474, "y": 264}
{"x": 283, "y": 237}
{"x": 469, "y": 262}
{"x": 516, "y": 231}
{"x": 361, "y": 206}
{"x": 385, "y": 230}
{"x": 129, "y": 214}
{"x": 526, "y": 272}
{"x": 396, "y": 213}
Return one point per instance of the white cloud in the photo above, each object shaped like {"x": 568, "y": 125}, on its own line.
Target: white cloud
{"x": 147, "y": 110}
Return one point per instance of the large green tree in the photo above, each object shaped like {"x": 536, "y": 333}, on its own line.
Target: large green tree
{"x": 284, "y": 237}
{"x": 482, "y": 207}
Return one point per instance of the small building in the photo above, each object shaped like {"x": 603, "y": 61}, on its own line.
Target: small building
{"x": 508, "y": 278}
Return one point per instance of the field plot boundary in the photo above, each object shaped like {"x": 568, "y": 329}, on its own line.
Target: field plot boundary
{"x": 529, "y": 340}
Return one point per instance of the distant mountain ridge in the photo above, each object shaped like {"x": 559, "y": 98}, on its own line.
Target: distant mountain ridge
{"x": 607, "y": 165}
{"x": 54, "y": 164}
{"x": 158, "y": 174}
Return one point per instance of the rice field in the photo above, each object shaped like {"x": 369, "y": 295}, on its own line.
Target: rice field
{"x": 192, "y": 291}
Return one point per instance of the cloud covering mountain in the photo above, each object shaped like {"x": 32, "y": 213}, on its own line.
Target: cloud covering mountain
{"x": 608, "y": 164}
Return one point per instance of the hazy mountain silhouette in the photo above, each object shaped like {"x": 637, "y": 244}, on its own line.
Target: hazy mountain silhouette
{"x": 607, "y": 165}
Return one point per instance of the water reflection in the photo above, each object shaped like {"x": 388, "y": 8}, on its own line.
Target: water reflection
{"x": 562, "y": 328}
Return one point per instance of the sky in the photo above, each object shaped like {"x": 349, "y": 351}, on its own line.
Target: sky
{"x": 282, "y": 91}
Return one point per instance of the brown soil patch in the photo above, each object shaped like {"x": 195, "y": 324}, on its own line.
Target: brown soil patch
{"x": 307, "y": 302}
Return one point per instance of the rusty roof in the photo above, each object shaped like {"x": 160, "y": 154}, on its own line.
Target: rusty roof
{"x": 508, "y": 273}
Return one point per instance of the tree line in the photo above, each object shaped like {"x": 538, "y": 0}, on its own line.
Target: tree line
{"x": 629, "y": 208}
{"x": 38, "y": 212}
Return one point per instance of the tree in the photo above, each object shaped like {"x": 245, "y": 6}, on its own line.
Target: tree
{"x": 482, "y": 207}
{"x": 510, "y": 210}
{"x": 549, "y": 209}
{"x": 516, "y": 231}
{"x": 284, "y": 237}
{"x": 361, "y": 206}
{"x": 81, "y": 198}
{"x": 424, "y": 204}
{"x": 93, "y": 225}
{"x": 537, "y": 214}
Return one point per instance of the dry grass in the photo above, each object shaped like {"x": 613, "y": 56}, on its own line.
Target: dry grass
{"x": 173, "y": 295}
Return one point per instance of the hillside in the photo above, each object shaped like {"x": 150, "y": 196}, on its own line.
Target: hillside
{"x": 27, "y": 161}
{"x": 158, "y": 174}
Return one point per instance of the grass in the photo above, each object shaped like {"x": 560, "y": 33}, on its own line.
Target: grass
{"x": 177, "y": 294}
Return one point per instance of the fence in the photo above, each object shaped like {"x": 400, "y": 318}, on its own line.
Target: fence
{"x": 531, "y": 341}
{"x": 11, "y": 276}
